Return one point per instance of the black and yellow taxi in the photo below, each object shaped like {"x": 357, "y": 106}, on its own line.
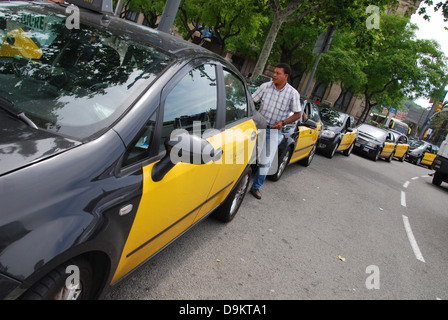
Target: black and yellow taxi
{"x": 115, "y": 139}
{"x": 422, "y": 153}
{"x": 402, "y": 145}
{"x": 375, "y": 142}
{"x": 338, "y": 132}
{"x": 299, "y": 141}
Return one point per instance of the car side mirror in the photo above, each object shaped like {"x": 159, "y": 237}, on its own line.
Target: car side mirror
{"x": 350, "y": 129}
{"x": 185, "y": 148}
{"x": 309, "y": 123}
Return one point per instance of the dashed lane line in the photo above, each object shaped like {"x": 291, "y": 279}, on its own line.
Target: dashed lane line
{"x": 414, "y": 245}
{"x": 407, "y": 225}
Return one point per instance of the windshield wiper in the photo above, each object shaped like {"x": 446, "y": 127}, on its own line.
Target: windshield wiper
{"x": 8, "y": 106}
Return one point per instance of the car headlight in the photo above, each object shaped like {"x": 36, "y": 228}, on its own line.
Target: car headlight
{"x": 371, "y": 144}
{"x": 328, "y": 134}
{"x": 415, "y": 153}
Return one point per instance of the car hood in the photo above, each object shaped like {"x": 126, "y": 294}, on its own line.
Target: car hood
{"x": 417, "y": 148}
{"x": 332, "y": 128}
{"x": 368, "y": 137}
{"x": 21, "y": 145}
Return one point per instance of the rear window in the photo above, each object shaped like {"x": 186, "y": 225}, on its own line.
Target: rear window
{"x": 75, "y": 82}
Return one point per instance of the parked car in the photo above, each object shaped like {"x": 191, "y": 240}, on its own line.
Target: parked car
{"x": 115, "y": 139}
{"x": 338, "y": 132}
{"x": 422, "y": 152}
{"x": 375, "y": 142}
{"x": 402, "y": 145}
{"x": 299, "y": 141}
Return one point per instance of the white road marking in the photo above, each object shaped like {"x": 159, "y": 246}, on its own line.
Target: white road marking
{"x": 406, "y": 184}
{"x": 415, "y": 178}
{"x": 403, "y": 198}
{"x": 412, "y": 240}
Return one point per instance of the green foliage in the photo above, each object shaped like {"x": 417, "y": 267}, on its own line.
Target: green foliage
{"x": 227, "y": 19}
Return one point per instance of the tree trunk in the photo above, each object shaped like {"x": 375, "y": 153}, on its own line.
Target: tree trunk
{"x": 265, "y": 52}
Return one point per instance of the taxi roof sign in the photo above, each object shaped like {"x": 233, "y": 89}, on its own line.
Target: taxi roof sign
{"x": 103, "y": 6}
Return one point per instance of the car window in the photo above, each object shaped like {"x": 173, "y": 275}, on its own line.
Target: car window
{"x": 75, "y": 82}
{"x": 332, "y": 117}
{"x": 140, "y": 148}
{"x": 236, "y": 99}
{"x": 192, "y": 103}
{"x": 351, "y": 122}
{"x": 314, "y": 114}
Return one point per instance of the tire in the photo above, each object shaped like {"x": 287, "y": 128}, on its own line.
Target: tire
{"x": 307, "y": 161}
{"x": 390, "y": 157}
{"x": 418, "y": 161}
{"x": 281, "y": 166}
{"x": 228, "y": 210}
{"x": 377, "y": 155}
{"x": 53, "y": 285}
{"x": 403, "y": 157}
{"x": 437, "y": 179}
{"x": 348, "y": 152}
{"x": 330, "y": 153}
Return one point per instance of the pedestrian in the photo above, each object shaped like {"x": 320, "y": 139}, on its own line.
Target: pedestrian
{"x": 278, "y": 99}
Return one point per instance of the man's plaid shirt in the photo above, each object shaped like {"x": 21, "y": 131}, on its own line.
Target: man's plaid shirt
{"x": 277, "y": 105}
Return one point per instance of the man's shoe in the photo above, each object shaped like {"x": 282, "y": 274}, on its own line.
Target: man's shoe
{"x": 256, "y": 193}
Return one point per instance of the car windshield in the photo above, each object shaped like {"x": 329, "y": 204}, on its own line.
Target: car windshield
{"x": 416, "y": 143}
{"x": 331, "y": 117}
{"x": 372, "y": 132}
{"x": 75, "y": 82}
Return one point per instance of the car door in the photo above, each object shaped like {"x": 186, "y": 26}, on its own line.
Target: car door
{"x": 237, "y": 139}
{"x": 429, "y": 155}
{"x": 402, "y": 146}
{"x": 169, "y": 206}
{"x": 306, "y": 140}
{"x": 389, "y": 145}
{"x": 349, "y": 135}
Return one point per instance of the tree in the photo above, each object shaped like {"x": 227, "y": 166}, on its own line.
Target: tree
{"x": 331, "y": 12}
{"x": 343, "y": 64}
{"x": 226, "y": 19}
{"x": 440, "y": 5}
{"x": 151, "y": 9}
{"x": 401, "y": 66}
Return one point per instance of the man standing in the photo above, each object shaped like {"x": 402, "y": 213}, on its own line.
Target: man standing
{"x": 278, "y": 99}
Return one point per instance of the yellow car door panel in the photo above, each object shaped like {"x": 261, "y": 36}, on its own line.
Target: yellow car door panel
{"x": 306, "y": 140}
{"x": 166, "y": 210}
{"x": 388, "y": 149}
{"x": 238, "y": 144}
{"x": 428, "y": 158}
{"x": 401, "y": 150}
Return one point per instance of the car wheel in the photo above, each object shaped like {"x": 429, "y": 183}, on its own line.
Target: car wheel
{"x": 390, "y": 157}
{"x": 330, "y": 153}
{"x": 54, "y": 285}
{"x": 418, "y": 161}
{"x": 307, "y": 161}
{"x": 403, "y": 157}
{"x": 227, "y": 211}
{"x": 437, "y": 179}
{"x": 377, "y": 155}
{"x": 349, "y": 150}
{"x": 281, "y": 166}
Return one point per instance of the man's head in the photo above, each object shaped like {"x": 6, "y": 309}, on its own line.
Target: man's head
{"x": 281, "y": 75}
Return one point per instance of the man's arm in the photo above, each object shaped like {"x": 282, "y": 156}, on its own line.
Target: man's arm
{"x": 295, "y": 116}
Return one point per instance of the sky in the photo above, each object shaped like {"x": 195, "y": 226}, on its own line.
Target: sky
{"x": 433, "y": 29}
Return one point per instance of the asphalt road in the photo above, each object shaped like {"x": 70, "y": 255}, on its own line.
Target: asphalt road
{"x": 342, "y": 228}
